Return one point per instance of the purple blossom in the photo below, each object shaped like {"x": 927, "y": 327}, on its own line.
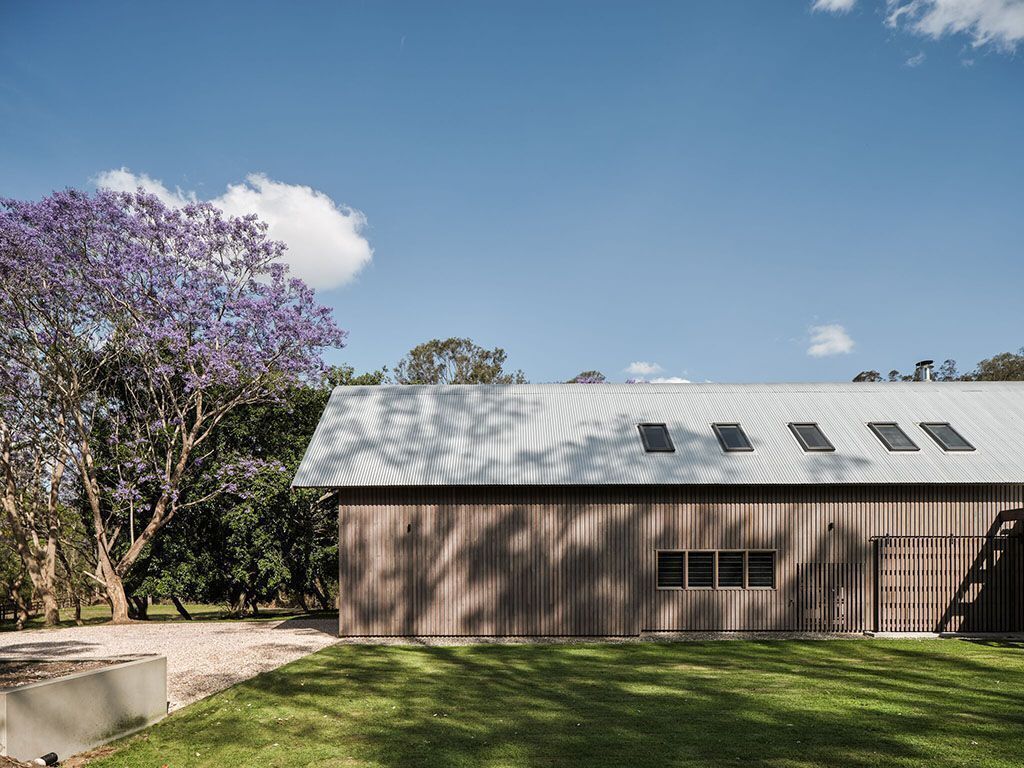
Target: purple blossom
{"x": 155, "y": 322}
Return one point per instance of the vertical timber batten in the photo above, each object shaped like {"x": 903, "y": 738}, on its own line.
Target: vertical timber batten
{"x": 580, "y": 560}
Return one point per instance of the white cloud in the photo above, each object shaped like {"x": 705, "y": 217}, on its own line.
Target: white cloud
{"x": 326, "y": 245}
{"x": 996, "y": 22}
{"x": 670, "y": 380}
{"x": 999, "y": 23}
{"x": 829, "y": 340}
{"x": 123, "y": 180}
{"x": 833, "y": 6}
{"x": 916, "y": 60}
{"x": 641, "y": 368}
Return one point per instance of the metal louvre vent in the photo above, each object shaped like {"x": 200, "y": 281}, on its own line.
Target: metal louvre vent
{"x": 716, "y": 569}
{"x": 761, "y": 569}
{"x": 670, "y": 570}
{"x": 730, "y": 569}
{"x": 700, "y": 570}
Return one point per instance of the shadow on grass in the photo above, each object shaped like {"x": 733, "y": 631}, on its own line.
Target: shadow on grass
{"x": 852, "y": 703}
{"x": 326, "y": 623}
{"x": 990, "y": 642}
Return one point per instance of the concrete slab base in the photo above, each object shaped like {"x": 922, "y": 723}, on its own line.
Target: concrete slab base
{"x": 1013, "y": 636}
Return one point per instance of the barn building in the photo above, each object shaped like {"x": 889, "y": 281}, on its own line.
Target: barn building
{"x": 620, "y": 510}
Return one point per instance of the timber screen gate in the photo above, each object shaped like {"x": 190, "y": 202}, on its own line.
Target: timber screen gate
{"x": 949, "y": 583}
{"x": 830, "y": 597}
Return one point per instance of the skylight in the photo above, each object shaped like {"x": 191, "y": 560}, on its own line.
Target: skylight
{"x": 947, "y": 437}
{"x": 811, "y": 438}
{"x": 732, "y": 437}
{"x": 655, "y": 438}
{"x": 892, "y": 437}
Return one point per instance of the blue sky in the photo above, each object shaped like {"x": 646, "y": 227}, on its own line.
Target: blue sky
{"x": 711, "y": 188}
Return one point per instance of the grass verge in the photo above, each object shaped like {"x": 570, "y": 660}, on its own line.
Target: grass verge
{"x": 784, "y": 704}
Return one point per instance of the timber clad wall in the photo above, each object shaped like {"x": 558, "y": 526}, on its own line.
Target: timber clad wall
{"x": 582, "y": 560}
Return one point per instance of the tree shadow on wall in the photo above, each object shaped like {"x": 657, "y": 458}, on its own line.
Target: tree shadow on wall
{"x": 482, "y": 560}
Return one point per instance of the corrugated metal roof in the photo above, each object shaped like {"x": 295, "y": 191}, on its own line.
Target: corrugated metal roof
{"x": 586, "y": 434}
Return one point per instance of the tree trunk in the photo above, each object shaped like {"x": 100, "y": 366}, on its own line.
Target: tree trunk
{"x": 239, "y": 600}
{"x": 20, "y": 608}
{"x": 140, "y": 607}
{"x": 181, "y": 608}
{"x": 42, "y": 574}
{"x": 116, "y": 596}
{"x": 316, "y": 593}
{"x": 323, "y": 594}
{"x": 51, "y": 612}
{"x": 111, "y": 580}
{"x": 38, "y": 561}
{"x": 69, "y": 575}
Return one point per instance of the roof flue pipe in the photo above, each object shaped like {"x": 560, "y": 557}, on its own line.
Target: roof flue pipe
{"x": 923, "y": 371}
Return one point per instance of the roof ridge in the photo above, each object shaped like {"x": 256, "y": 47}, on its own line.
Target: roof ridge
{"x": 658, "y": 388}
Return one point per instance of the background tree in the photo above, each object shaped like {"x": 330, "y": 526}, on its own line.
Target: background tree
{"x": 33, "y": 461}
{"x": 1008, "y": 366}
{"x": 253, "y": 545}
{"x": 588, "y": 377}
{"x": 253, "y": 541}
{"x": 13, "y": 582}
{"x": 148, "y": 326}
{"x": 76, "y": 558}
{"x": 868, "y": 376}
{"x": 32, "y": 504}
{"x": 345, "y": 375}
{"x": 947, "y": 371}
{"x": 455, "y": 361}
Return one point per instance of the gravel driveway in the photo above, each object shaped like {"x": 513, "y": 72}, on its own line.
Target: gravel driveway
{"x": 202, "y": 657}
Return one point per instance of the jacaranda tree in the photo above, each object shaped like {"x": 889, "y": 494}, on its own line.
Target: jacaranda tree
{"x": 142, "y": 328}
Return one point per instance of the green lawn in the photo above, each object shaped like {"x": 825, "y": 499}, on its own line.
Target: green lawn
{"x": 824, "y": 703}
{"x": 98, "y": 614}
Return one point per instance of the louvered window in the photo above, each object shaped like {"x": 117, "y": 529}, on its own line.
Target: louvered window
{"x": 670, "y": 570}
{"x": 761, "y": 569}
{"x": 700, "y": 570}
{"x": 730, "y": 569}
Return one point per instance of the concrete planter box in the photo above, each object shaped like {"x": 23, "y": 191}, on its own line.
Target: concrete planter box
{"x": 74, "y": 713}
